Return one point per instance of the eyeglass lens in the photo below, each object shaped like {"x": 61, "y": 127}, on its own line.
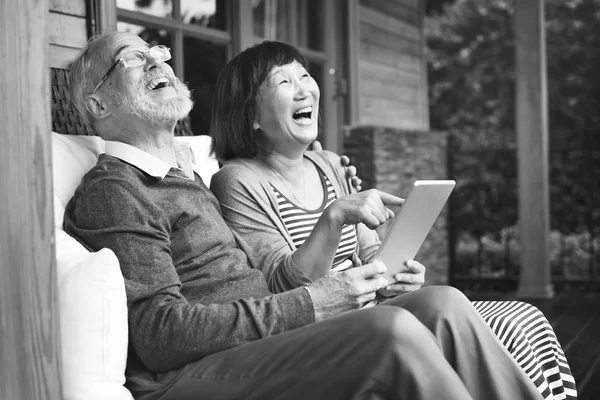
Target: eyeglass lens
{"x": 137, "y": 58}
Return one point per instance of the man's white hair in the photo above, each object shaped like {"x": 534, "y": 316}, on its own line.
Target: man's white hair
{"x": 85, "y": 72}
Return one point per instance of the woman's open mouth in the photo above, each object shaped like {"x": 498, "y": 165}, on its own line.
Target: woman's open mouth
{"x": 303, "y": 115}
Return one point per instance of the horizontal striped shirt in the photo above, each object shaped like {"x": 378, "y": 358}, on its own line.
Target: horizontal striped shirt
{"x": 300, "y": 222}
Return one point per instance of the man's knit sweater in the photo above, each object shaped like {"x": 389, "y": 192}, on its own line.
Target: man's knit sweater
{"x": 190, "y": 289}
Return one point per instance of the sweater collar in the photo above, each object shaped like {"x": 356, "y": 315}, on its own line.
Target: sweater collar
{"x": 150, "y": 164}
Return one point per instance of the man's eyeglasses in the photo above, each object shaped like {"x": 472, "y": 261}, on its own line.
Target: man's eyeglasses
{"x": 137, "y": 58}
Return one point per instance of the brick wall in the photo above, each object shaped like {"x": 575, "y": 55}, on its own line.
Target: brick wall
{"x": 390, "y": 160}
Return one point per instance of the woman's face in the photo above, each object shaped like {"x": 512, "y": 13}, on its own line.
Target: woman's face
{"x": 288, "y": 108}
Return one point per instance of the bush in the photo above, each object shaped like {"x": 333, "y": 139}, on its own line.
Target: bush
{"x": 572, "y": 256}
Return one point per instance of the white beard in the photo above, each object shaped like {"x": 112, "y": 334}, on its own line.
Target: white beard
{"x": 157, "y": 114}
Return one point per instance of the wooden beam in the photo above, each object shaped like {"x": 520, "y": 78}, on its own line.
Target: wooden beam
{"x": 29, "y": 326}
{"x": 332, "y": 137}
{"x": 532, "y": 150}
{"x": 242, "y": 26}
{"x": 353, "y": 51}
{"x": 424, "y": 80}
{"x": 102, "y": 15}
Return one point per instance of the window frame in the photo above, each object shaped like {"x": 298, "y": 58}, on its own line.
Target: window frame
{"x": 336, "y": 110}
{"x": 179, "y": 29}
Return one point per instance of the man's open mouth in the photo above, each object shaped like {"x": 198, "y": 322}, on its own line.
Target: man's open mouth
{"x": 159, "y": 83}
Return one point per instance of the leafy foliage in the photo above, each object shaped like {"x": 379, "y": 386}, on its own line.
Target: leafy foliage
{"x": 471, "y": 51}
{"x": 471, "y": 65}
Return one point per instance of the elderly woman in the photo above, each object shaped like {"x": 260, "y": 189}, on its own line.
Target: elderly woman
{"x": 293, "y": 213}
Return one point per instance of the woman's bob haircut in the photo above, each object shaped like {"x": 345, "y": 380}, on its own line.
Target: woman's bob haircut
{"x": 234, "y": 100}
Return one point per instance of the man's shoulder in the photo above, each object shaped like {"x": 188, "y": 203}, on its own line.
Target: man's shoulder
{"x": 110, "y": 170}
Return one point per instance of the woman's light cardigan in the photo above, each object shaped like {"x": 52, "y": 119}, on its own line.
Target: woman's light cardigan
{"x": 250, "y": 209}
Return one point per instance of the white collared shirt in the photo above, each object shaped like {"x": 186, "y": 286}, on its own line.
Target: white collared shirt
{"x": 150, "y": 164}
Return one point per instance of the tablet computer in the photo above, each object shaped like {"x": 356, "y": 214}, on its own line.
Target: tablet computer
{"x": 412, "y": 223}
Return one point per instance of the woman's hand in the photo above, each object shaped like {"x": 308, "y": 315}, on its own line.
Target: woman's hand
{"x": 407, "y": 281}
{"x": 369, "y": 207}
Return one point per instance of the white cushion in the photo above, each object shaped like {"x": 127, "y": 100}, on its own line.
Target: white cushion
{"x": 93, "y": 322}
{"x": 92, "y": 299}
{"x": 72, "y": 157}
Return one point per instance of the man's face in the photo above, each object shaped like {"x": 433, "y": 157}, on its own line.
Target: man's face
{"x": 151, "y": 91}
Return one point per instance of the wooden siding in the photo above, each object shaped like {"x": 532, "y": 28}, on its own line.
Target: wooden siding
{"x": 392, "y": 84}
{"x": 67, "y": 30}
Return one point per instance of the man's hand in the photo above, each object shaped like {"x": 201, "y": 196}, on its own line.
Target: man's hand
{"x": 407, "y": 281}
{"x": 369, "y": 207}
{"x": 348, "y": 290}
{"x": 354, "y": 180}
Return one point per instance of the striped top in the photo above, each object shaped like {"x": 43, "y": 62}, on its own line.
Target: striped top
{"x": 300, "y": 222}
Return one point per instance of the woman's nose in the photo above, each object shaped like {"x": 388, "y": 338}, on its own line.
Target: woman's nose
{"x": 302, "y": 89}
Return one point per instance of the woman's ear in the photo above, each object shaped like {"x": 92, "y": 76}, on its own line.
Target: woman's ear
{"x": 96, "y": 107}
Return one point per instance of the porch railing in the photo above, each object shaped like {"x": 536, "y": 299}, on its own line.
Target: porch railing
{"x": 483, "y": 220}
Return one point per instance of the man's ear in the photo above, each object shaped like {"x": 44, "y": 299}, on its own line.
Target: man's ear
{"x": 96, "y": 107}
{"x": 255, "y": 125}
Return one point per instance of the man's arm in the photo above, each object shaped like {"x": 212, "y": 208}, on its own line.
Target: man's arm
{"x": 166, "y": 330}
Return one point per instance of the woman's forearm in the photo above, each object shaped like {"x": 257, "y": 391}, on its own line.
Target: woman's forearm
{"x": 316, "y": 254}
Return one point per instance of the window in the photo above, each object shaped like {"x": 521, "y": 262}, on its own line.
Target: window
{"x": 204, "y": 34}
{"x": 197, "y": 33}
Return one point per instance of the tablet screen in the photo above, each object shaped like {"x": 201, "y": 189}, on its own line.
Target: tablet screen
{"x": 412, "y": 223}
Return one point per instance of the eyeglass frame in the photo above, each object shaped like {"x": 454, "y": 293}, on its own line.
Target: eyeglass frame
{"x": 122, "y": 60}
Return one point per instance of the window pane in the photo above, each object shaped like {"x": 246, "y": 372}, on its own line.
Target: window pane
{"x": 208, "y": 13}
{"x": 158, "y": 8}
{"x": 310, "y": 24}
{"x": 152, "y": 36}
{"x": 203, "y": 61}
{"x": 271, "y": 19}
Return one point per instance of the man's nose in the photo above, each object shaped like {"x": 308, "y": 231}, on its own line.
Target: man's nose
{"x": 152, "y": 62}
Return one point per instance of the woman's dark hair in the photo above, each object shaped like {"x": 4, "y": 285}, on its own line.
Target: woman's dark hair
{"x": 234, "y": 99}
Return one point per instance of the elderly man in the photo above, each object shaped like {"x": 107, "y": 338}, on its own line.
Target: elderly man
{"x": 202, "y": 322}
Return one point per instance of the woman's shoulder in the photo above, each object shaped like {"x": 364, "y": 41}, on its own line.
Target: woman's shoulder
{"x": 324, "y": 155}
{"x": 325, "y": 159}
{"x": 234, "y": 172}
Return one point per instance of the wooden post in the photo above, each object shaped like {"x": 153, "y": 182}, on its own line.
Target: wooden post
{"x": 352, "y": 47}
{"x": 332, "y": 136}
{"x": 532, "y": 144}
{"x": 424, "y": 83}
{"x": 102, "y": 16}
{"x": 29, "y": 326}
{"x": 242, "y": 24}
